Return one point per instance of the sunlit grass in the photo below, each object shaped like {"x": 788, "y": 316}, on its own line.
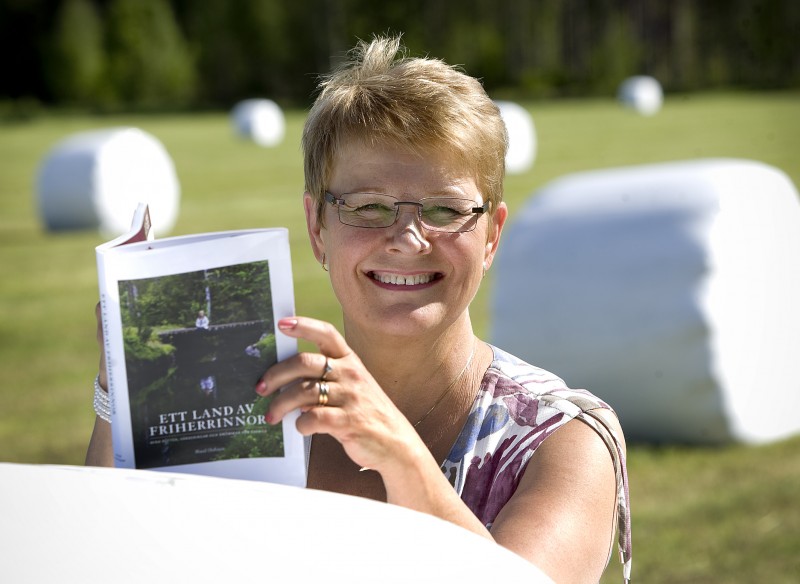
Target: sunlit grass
{"x": 700, "y": 515}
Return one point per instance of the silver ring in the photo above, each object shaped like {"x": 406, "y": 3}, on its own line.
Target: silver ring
{"x": 323, "y": 393}
{"x": 328, "y": 369}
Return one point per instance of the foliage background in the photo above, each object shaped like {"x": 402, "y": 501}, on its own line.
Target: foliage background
{"x": 156, "y": 54}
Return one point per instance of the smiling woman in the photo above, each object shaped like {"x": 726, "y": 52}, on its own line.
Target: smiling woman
{"x": 404, "y": 162}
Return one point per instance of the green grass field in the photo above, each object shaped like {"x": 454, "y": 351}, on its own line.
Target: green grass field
{"x": 727, "y": 514}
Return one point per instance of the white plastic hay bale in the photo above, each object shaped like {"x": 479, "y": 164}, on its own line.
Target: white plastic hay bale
{"x": 641, "y": 93}
{"x": 671, "y": 290}
{"x": 95, "y": 180}
{"x": 206, "y": 530}
{"x": 521, "y": 136}
{"x": 259, "y": 120}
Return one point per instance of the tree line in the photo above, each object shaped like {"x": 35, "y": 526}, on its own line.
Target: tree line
{"x": 156, "y": 54}
{"x": 229, "y": 294}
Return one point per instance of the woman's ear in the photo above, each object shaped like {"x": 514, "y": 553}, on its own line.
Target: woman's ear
{"x": 314, "y": 227}
{"x": 496, "y": 222}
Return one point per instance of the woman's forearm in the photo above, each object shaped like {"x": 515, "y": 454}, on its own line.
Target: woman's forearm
{"x": 418, "y": 484}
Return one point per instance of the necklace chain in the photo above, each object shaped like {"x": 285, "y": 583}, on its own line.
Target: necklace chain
{"x": 449, "y": 387}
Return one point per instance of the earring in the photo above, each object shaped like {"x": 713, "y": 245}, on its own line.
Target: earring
{"x": 484, "y": 269}
{"x": 324, "y": 266}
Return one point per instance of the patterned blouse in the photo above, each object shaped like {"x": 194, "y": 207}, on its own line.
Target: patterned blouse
{"x": 517, "y": 407}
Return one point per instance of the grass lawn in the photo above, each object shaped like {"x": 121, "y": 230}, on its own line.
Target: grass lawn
{"x": 700, "y": 514}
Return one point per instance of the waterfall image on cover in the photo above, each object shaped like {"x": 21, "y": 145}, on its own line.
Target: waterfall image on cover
{"x": 195, "y": 345}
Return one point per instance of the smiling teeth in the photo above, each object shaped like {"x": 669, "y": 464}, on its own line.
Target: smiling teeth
{"x": 403, "y": 280}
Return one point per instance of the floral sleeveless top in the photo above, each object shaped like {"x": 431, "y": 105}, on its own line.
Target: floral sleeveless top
{"x": 517, "y": 407}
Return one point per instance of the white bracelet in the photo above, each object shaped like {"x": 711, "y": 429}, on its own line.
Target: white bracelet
{"x": 102, "y": 404}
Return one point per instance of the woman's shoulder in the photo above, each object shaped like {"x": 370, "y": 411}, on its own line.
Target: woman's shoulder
{"x": 517, "y": 408}
{"x": 509, "y": 377}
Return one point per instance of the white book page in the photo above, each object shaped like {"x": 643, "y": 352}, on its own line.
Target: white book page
{"x": 148, "y": 434}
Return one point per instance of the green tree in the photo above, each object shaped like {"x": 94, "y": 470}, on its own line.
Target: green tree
{"x": 77, "y": 60}
{"x": 616, "y": 54}
{"x": 244, "y": 48}
{"x": 149, "y": 61}
{"x": 241, "y": 293}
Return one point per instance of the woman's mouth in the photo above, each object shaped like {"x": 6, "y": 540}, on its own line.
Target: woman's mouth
{"x": 404, "y": 280}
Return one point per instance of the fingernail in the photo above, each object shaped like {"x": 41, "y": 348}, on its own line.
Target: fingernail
{"x": 287, "y": 323}
{"x": 269, "y": 418}
{"x": 261, "y": 388}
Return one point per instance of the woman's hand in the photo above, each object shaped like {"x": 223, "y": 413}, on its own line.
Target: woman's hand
{"x": 358, "y": 414}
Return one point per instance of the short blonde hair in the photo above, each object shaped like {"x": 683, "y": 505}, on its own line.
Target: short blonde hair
{"x": 382, "y": 96}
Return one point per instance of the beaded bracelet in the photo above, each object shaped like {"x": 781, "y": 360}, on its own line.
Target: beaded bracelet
{"x": 102, "y": 404}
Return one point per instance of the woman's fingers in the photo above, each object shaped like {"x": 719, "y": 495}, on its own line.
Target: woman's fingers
{"x": 99, "y": 318}
{"x": 297, "y": 367}
{"x": 323, "y": 334}
{"x": 323, "y": 420}
{"x": 370, "y": 437}
{"x": 347, "y": 404}
{"x": 305, "y": 365}
{"x": 303, "y": 394}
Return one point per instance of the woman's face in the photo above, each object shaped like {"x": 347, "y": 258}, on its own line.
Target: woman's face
{"x": 402, "y": 280}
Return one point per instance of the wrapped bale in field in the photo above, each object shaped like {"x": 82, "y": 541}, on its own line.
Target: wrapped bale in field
{"x": 259, "y": 120}
{"x": 521, "y": 136}
{"x": 642, "y": 94}
{"x": 94, "y": 180}
{"x": 669, "y": 290}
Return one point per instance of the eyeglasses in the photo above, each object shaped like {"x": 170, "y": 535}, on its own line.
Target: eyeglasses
{"x": 375, "y": 210}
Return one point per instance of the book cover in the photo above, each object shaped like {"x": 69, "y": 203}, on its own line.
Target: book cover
{"x": 190, "y": 326}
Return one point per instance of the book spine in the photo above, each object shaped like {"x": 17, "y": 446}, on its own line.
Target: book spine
{"x": 107, "y": 349}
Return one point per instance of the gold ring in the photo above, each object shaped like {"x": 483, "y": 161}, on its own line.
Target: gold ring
{"x": 323, "y": 393}
{"x": 328, "y": 369}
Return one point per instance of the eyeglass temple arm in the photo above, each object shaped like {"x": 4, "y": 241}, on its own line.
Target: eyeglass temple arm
{"x": 482, "y": 209}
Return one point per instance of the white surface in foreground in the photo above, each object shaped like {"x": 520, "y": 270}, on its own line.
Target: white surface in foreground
{"x": 87, "y": 525}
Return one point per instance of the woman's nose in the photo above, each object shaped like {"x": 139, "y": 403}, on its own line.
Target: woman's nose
{"x": 408, "y": 233}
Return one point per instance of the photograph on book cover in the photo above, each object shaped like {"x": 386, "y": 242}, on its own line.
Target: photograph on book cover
{"x": 195, "y": 345}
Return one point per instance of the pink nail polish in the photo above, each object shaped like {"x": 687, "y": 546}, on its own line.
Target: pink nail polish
{"x": 261, "y": 388}
{"x": 287, "y": 323}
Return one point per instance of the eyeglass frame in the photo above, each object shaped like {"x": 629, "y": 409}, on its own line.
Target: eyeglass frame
{"x": 478, "y": 211}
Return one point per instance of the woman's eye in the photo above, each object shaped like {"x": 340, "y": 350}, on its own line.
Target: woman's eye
{"x": 442, "y": 213}
{"x": 372, "y": 207}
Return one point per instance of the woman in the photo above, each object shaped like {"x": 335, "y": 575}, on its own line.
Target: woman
{"x": 404, "y": 163}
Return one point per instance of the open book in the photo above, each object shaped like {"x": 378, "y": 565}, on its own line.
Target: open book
{"x": 190, "y": 326}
